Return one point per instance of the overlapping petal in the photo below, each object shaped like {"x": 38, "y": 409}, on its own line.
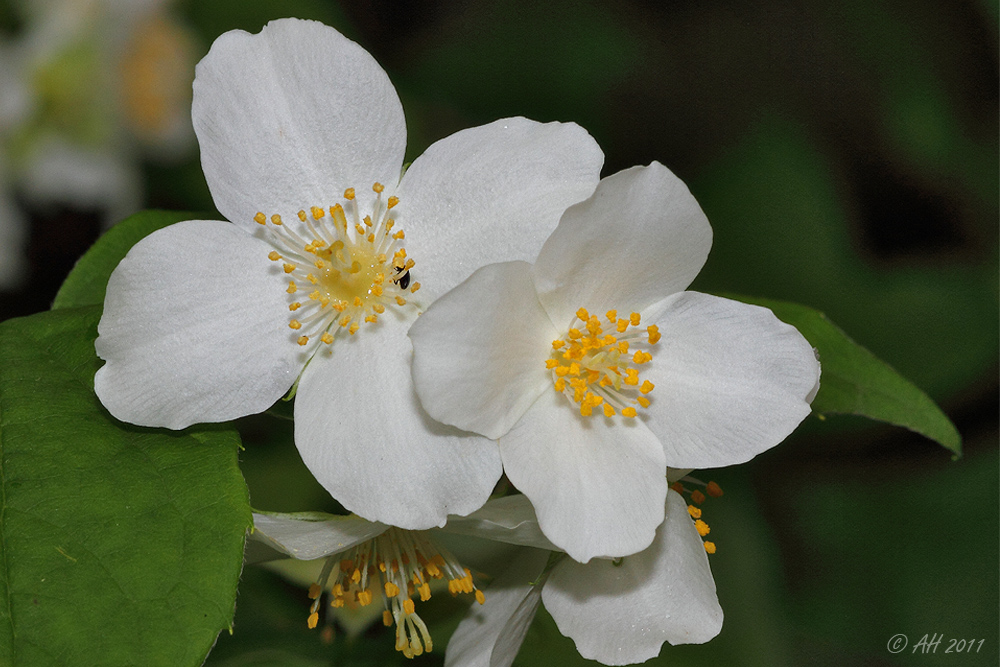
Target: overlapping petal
{"x": 731, "y": 379}
{"x": 491, "y": 635}
{"x": 621, "y": 613}
{"x": 307, "y": 538}
{"x": 361, "y": 431}
{"x": 491, "y": 194}
{"x": 598, "y": 487}
{"x": 639, "y": 238}
{"x": 291, "y": 117}
{"x": 194, "y": 329}
{"x": 477, "y": 350}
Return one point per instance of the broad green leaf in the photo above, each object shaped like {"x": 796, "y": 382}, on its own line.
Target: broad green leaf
{"x": 854, "y": 381}
{"x": 85, "y": 284}
{"x": 119, "y": 545}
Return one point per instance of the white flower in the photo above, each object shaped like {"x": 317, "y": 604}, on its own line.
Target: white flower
{"x": 208, "y": 321}
{"x": 559, "y": 360}
{"x": 617, "y": 612}
{"x": 364, "y": 561}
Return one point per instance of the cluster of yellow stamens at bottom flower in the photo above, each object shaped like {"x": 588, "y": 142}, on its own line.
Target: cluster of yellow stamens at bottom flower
{"x": 349, "y": 267}
{"x": 397, "y": 565}
{"x": 697, "y": 498}
{"x": 593, "y": 368}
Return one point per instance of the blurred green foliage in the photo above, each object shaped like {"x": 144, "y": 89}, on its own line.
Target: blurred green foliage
{"x": 846, "y": 154}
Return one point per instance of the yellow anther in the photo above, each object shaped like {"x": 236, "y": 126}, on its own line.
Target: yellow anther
{"x": 643, "y": 401}
{"x": 654, "y": 334}
{"x": 702, "y": 528}
{"x": 314, "y": 591}
{"x": 424, "y": 590}
{"x": 378, "y": 187}
{"x": 628, "y": 412}
{"x": 713, "y": 490}
{"x": 622, "y": 326}
{"x": 556, "y": 344}
{"x": 647, "y": 386}
{"x": 634, "y": 319}
{"x": 480, "y": 598}
{"x": 583, "y": 315}
{"x": 349, "y": 193}
{"x": 273, "y": 256}
{"x": 694, "y": 512}
{"x": 609, "y": 411}
{"x": 612, "y": 316}
{"x": 710, "y": 547}
{"x": 623, "y": 347}
{"x": 574, "y": 334}
{"x": 319, "y": 264}
{"x": 631, "y": 376}
{"x": 387, "y": 618}
{"x": 391, "y": 202}
{"x": 408, "y": 606}
{"x": 313, "y": 620}
{"x": 276, "y": 219}
{"x": 560, "y": 385}
{"x": 295, "y": 324}
{"x": 371, "y": 319}
{"x": 317, "y": 212}
{"x": 364, "y": 597}
{"x": 302, "y": 340}
{"x": 327, "y": 337}
{"x": 289, "y": 267}
{"x": 294, "y": 306}
{"x": 260, "y": 218}
{"x": 414, "y": 287}
{"x": 313, "y": 279}
{"x": 399, "y": 235}
{"x": 697, "y": 497}
{"x": 357, "y": 301}
{"x": 361, "y": 230}
{"x": 378, "y": 308}
{"x": 400, "y": 300}
{"x": 354, "y": 328}
{"x": 551, "y": 363}
{"x": 391, "y": 589}
{"x": 292, "y": 287}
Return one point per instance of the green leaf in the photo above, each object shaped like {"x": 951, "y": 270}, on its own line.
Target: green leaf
{"x": 118, "y": 544}
{"x": 854, "y": 381}
{"x": 85, "y": 284}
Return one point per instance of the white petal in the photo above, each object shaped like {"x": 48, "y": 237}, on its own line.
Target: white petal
{"x": 620, "y": 615}
{"x": 195, "y": 329}
{"x": 731, "y": 380}
{"x": 510, "y": 519}
{"x": 639, "y": 238}
{"x": 362, "y": 433}
{"x": 291, "y": 117}
{"x": 491, "y": 634}
{"x": 597, "y": 484}
{"x": 305, "y": 537}
{"x": 491, "y": 194}
{"x": 479, "y": 351}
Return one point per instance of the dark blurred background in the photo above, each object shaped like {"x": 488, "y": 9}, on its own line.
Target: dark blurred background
{"x": 846, "y": 154}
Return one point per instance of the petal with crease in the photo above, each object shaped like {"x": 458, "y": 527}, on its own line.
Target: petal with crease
{"x": 479, "y": 351}
{"x": 622, "y": 614}
{"x": 195, "y": 329}
{"x": 309, "y": 538}
{"x": 731, "y": 379}
{"x": 363, "y": 435}
{"x": 639, "y": 238}
{"x": 491, "y": 634}
{"x": 597, "y": 484}
{"x": 291, "y": 117}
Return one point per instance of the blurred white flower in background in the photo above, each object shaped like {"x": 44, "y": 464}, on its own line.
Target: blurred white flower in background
{"x": 87, "y": 89}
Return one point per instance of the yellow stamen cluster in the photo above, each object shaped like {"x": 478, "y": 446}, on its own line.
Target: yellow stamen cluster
{"x": 342, "y": 270}
{"x": 593, "y": 368}
{"x": 396, "y": 566}
{"x": 697, "y": 498}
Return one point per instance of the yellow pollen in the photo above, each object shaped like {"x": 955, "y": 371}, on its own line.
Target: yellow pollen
{"x": 702, "y": 528}
{"x": 273, "y": 256}
{"x": 694, "y": 512}
{"x": 295, "y": 324}
{"x": 612, "y": 316}
{"x": 391, "y": 202}
{"x": 313, "y": 620}
{"x": 654, "y": 334}
{"x": 302, "y": 215}
{"x": 302, "y": 340}
{"x": 327, "y": 337}
{"x": 629, "y": 412}
{"x": 260, "y": 218}
{"x": 401, "y": 301}
{"x": 408, "y": 606}
{"x": 276, "y": 219}
{"x": 289, "y": 268}
{"x": 317, "y": 212}
{"x": 294, "y": 306}
{"x": 710, "y": 547}
{"x": 378, "y": 187}
{"x": 292, "y": 289}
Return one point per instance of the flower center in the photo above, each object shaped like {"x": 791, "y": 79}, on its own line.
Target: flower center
{"x": 697, "y": 497}
{"x": 397, "y": 564}
{"x": 342, "y": 270}
{"x": 592, "y": 368}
